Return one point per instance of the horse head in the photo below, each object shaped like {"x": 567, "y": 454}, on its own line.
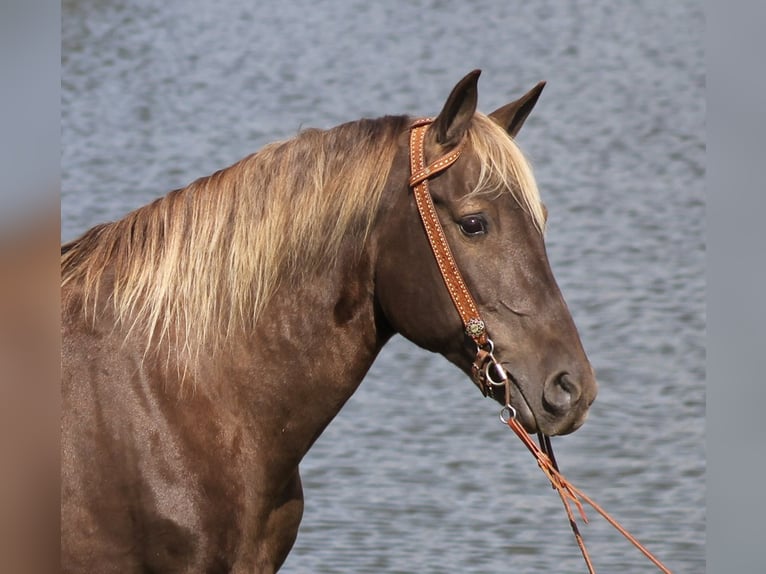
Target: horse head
{"x": 493, "y": 221}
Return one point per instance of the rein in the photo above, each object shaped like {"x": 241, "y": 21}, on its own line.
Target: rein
{"x": 486, "y": 371}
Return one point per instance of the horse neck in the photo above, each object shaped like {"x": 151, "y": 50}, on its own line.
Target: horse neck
{"x": 318, "y": 336}
{"x": 311, "y": 348}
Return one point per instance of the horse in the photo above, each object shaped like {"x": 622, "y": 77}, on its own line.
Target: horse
{"x": 210, "y": 336}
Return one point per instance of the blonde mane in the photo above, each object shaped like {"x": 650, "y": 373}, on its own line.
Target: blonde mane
{"x": 200, "y": 264}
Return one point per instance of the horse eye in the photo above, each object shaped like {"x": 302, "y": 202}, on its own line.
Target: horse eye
{"x": 473, "y": 225}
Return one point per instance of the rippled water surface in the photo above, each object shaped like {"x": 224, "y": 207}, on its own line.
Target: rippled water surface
{"x": 416, "y": 474}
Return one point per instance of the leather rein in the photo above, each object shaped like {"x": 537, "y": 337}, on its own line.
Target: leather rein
{"x": 486, "y": 371}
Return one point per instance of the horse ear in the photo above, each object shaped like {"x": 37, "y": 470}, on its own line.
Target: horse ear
{"x": 455, "y": 117}
{"x": 512, "y": 116}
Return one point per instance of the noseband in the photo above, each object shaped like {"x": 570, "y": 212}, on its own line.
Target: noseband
{"x": 486, "y": 371}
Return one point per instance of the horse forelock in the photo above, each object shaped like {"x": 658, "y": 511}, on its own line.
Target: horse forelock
{"x": 504, "y": 167}
{"x": 201, "y": 264}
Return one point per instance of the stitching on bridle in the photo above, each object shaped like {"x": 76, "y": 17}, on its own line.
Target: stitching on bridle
{"x": 453, "y": 280}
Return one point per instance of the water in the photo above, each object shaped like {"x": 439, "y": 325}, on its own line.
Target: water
{"x": 415, "y": 474}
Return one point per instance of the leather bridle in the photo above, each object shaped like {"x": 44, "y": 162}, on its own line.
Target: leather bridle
{"x": 486, "y": 371}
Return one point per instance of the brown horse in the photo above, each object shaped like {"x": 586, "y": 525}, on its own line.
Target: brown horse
{"x": 210, "y": 337}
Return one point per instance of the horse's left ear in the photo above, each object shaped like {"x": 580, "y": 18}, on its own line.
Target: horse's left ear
{"x": 511, "y": 116}
{"x": 455, "y": 117}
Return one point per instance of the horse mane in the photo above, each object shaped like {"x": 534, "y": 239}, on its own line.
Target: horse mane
{"x": 201, "y": 263}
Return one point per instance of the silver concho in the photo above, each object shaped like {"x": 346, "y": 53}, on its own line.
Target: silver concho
{"x": 475, "y": 328}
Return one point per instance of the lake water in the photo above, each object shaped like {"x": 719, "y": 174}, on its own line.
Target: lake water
{"x": 416, "y": 474}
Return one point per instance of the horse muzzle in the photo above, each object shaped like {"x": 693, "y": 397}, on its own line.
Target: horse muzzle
{"x": 560, "y": 406}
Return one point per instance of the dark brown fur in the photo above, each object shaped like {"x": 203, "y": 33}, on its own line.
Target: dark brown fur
{"x": 196, "y": 469}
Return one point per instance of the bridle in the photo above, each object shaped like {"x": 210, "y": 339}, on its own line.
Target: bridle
{"x": 486, "y": 371}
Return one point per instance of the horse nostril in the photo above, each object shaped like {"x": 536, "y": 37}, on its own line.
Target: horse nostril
{"x": 560, "y": 393}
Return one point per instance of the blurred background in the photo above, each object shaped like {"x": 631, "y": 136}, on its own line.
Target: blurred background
{"x": 29, "y": 279}
{"x": 416, "y": 474}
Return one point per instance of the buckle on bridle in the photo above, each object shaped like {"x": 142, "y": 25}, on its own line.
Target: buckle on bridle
{"x": 488, "y": 374}
{"x": 478, "y": 375}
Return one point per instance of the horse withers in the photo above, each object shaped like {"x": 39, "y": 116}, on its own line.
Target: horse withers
{"x": 210, "y": 336}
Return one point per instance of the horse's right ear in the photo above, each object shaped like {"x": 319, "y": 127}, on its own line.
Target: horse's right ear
{"x": 455, "y": 117}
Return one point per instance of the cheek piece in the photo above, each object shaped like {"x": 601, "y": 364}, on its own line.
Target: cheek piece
{"x": 486, "y": 371}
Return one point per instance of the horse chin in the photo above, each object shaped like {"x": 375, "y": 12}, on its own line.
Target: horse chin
{"x": 524, "y": 415}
